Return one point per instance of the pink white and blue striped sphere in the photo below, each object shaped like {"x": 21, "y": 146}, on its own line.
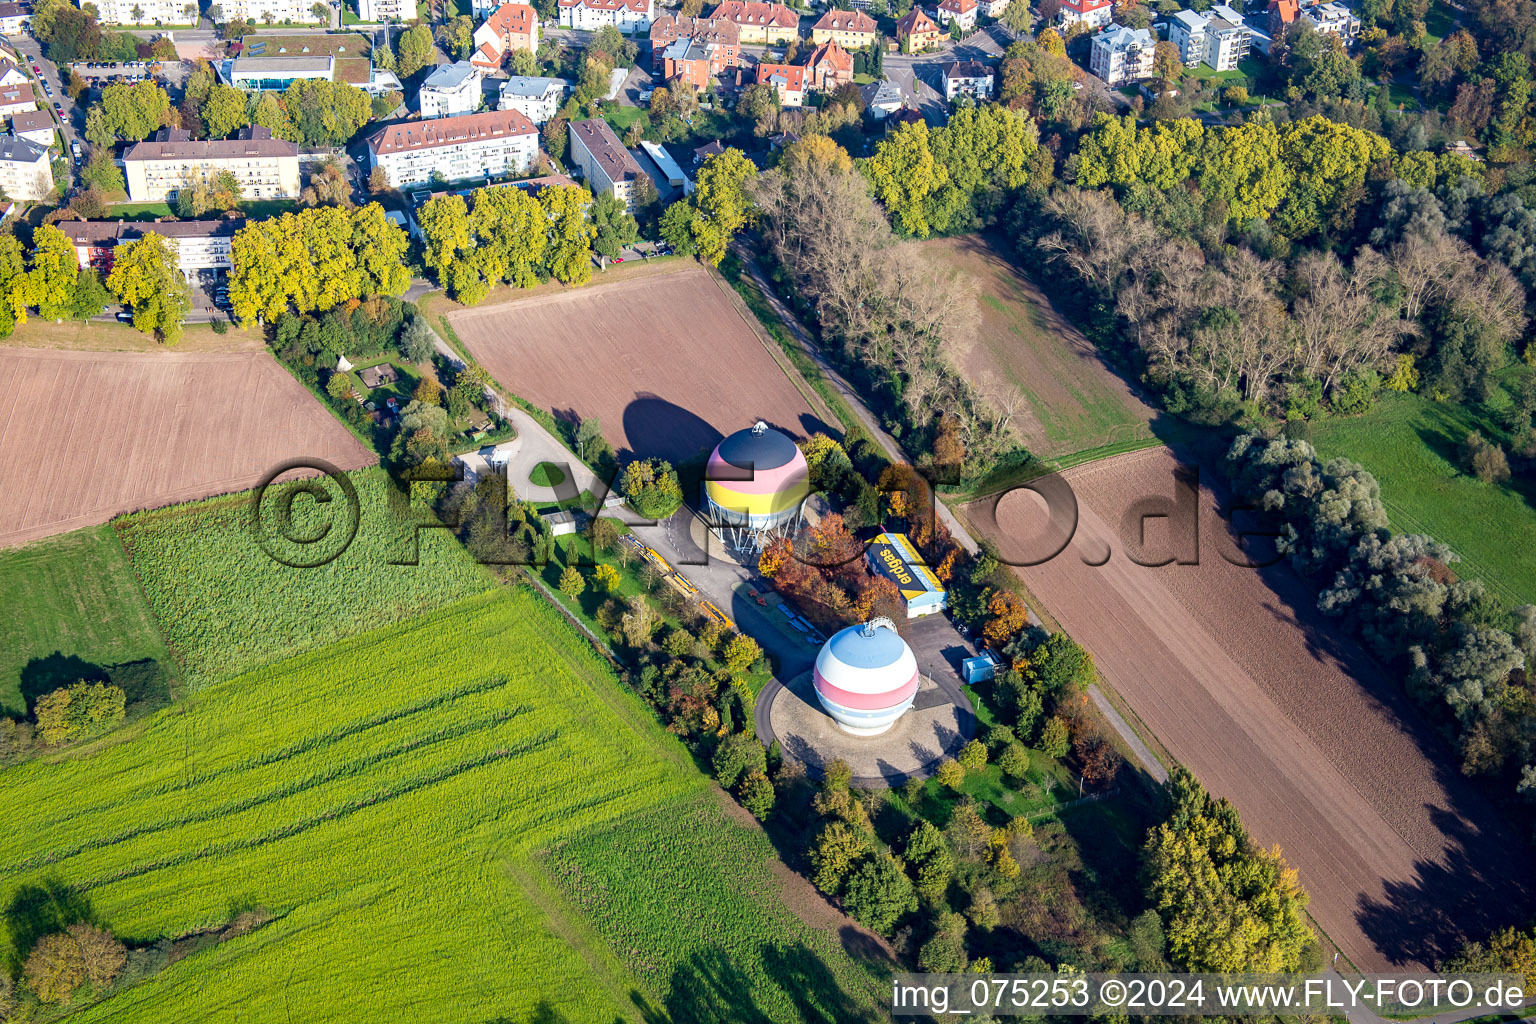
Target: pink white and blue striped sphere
{"x": 866, "y": 677}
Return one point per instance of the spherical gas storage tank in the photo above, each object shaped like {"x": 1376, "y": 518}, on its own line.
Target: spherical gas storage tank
{"x": 756, "y": 478}
{"x": 866, "y": 677}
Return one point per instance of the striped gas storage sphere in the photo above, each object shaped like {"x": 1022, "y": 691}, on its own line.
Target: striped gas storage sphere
{"x": 866, "y": 677}
{"x": 756, "y": 479}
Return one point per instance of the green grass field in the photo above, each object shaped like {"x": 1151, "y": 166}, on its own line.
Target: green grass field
{"x": 227, "y": 606}
{"x": 1409, "y": 443}
{"x": 381, "y": 798}
{"x": 71, "y": 604}
{"x": 689, "y": 897}
{"x": 386, "y": 799}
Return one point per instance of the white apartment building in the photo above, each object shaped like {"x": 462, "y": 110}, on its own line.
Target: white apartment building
{"x": 11, "y": 74}
{"x": 537, "y": 99}
{"x": 262, "y": 12}
{"x": 25, "y": 173}
{"x": 451, "y": 90}
{"x": 605, "y": 164}
{"x": 14, "y": 18}
{"x": 385, "y": 10}
{"x": 1093, "y": 13}
{"x": 266, "y": 168}
{"x": 1122, "y": 55}
{"x": 966, "y": 78}
{"x": 17, "y": 99}
{"x": 34, "y": 126}
{"x": 627, "y": 15}
{"x": 198, "y": 244}
{"x": 1334, "y": 19}
{"x": 1217, "y": 38}
{"x": 145, "y": 12}
{"x": 455, "y": 148}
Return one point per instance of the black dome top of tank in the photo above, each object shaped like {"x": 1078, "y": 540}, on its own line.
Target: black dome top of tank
{"x": 751, "y": 449}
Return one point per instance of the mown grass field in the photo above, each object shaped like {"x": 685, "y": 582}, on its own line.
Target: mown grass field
{"x": 71, "y": 603}
{"x": 1071, "y": 402}
{"x": 385, "y": 798}
{"x": 689, "y": 898}
{"x": 227, "y": 606}
{"x": 1410, "y": 444}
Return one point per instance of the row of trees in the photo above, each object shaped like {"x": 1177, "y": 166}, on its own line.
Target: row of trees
{"x": 314, "y": 260}
{"x": 1467, "y": 658}
{"x": 506, "y": 235}
{"x": 49, "y": 279}
{"x": 897, "y": 323}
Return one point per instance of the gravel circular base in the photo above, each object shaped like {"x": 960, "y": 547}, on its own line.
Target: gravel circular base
{"x": 929, "y": 732}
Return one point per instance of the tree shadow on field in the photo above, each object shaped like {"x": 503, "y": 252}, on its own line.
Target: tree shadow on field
{"x": 145, "y": 683}
{"x": 42, "y": 909}
{"x": 1469, "y": 892}
{"x": 710, "y": 989}
{"x": 543, "y": 1013}
{"x": 41, "y": 676}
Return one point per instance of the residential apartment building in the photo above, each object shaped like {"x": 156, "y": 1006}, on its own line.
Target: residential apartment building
{"x": 693, "y": 61}
{"x": 537, "y": 99}
{"x": 25, "y": 173}
{"x": 1217, "y": 38}
{"x": 199, "y": 244}
{"x": 606, "y": 165}
{"x": 385, "y": 10}
{"x": 150, "y": 12}
{"x": 1122, "y": 55}
{"x": 829, "y": 66}
{"x": 14, "y": 18}
{"x": 275, "y": 74}
{"x": 628, "y": 16}
{"x": 17, "y": 99}
{"x": 1333, "y": 19}
{"x": 483, "y": 145}
{"x": 917, "y": 32}
{"x": 34, "y": 126}
{"x": 961, "y": 12}
{"x": 1093, "y": 13}
{"x": 882, "y": 99}
{"x": 11, "y": 74}
{"x": 788, "y": 80}
{"x": 1227, "y": 39}
{"x": 262, "y": 12}
{"x": 266, "y": 168}
{"x": 722, "y": 34}
{"x": 852, "y": 30}
{"x": 761, "y": 24}
{"x": 508, "y": 28}
{"x": 994, "y": 8}
{"x": 966, "y": 78}
{"x": 450, "y": 90}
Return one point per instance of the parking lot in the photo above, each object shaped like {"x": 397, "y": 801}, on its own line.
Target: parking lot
{"x": 98, "y": 74}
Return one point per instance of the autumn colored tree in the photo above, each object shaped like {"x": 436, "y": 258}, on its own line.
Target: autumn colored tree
{"x": 146, "y": 278}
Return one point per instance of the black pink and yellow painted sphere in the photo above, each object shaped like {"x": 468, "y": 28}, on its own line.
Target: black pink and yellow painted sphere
{"x": 756, "y": 478}
{"x": 866, "y": 677}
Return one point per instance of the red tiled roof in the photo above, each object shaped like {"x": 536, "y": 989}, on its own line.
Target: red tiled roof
{"x": 1086, "y": 6}
{"x": 957, "y": 6}
{"x": 794, "y": 75}
{"x": 1286, "y": 9}
{"x": 487, "y": 56}
{"x": 709, "y": 30}
{"x": 748, "y": 12}
{"x": 845, "y": 21}
{"x": 915, "y": 22}
{"x": 512, "y": 19}
{"x": 449, "y": 131}
{"x": 832, "y": 54}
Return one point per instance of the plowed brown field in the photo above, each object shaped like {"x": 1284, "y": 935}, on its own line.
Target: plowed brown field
{"x": 1247, "y": 685}
{"x": 87, "y": 435}
{"x": 665, "y": 361}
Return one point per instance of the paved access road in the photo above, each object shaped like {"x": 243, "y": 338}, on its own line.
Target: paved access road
{"x": 72, "y": 119}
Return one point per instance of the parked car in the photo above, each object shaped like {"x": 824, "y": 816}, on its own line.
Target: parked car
{"x": 124, "y": 317}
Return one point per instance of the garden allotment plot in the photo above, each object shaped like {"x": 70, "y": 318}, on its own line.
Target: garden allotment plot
{"x": 87, "y": 435}
{"x": 386, "y": 799}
